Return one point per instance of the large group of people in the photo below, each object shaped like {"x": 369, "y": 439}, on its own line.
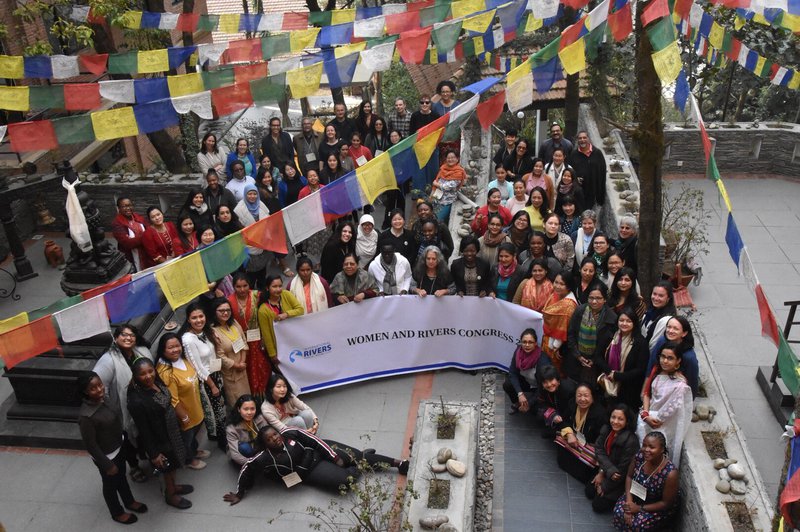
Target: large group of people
{"x": 606, "y": 352}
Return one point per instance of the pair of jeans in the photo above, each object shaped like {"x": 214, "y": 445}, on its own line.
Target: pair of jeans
{"x": 189, "y": 437}
{"x": 116, "y": 486}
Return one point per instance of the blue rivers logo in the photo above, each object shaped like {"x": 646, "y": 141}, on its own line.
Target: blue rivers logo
{"x": 309, "y": 352}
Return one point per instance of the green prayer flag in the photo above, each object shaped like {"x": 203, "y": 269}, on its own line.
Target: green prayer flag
{"x": 727, "y": 41}
{"x": 661, "y": 34}
{"x": 217, "y": 78}
{"x": 547, "y": 53}
{"x": 268, "y": 90}
{"x": 125, "y": 63}
{"x": 405, "y": 144}
{"x": 382, "y": 40}
{"x": 275, "y": 44}
{"x": 75, "y": 129}
{"x": 787, "y": 363}
{"x": 54, "y": 307}
{"x": 319, "y": 18}
{"x": 469, "y": 48}
{"x": 46, "y": 96}
{"x": 593, "y": 40}
{"x": 431, "y": 15}
{"x": 445, "y": 37}
{"x": 453, "y": 130}
{"x": 712, "y": 170}
{"x": 208, "y": 23}
{"x": 223, "y": 257}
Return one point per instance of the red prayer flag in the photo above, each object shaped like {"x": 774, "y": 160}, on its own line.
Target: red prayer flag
{"x": 705, "y": 140}
{"x": 412, "y": 45}
{"x": 654, "y": 10}
{"x": 268, "y": 233}
{"x": 96, "y": 291}
{"x": 22, "y": 343}
{"x": 294, "y": 21}
{"x": 733, "y": 53}
{"x": 242, "y": 51}
{"x": 572, "y": 33}
{"x": 81, "y": 96}
{"x": 398, "y": 23}
{"x": 439, "y": 123}
{"x": 769, "y": 326}
{"x": 417, "y": 6}
{"x": 91, "y": 18}
{"x": 459, "y": 50}
{"x": 490, "y": 110}
{"x": 227, "y": 100}
{"x": 736, "y": 4}
{"x": 94, "y": 63}
{"x": 620, "y": 23}
{"x": 682, "y": 8}
{"x": 187, "y": 22}
{"x": 242, "y": 73}
{"x": 576, "y": 4}
{"x": 32, "y": 136}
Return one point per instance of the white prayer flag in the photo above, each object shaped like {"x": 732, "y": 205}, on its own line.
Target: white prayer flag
{"x": 270, "y": 22}
{"x": 391, "y": 9}
{"x": 378, "y": 58}
{"x": 695, "y": 16}
{"x": 65, "y": 66}
{"x": 303, "y": 218}
{"x": 199, "y": 104}
{"x": 121, "y": 90}
{"x": 84, "y": 320}
{"x": 369, "y": 27}
{"x": 279, "y": 66}
{"x": 779, "y": 75}
{"x": 210, "y": 51}
{"x": 520, "y": 94}
{"x": 748, "y": 272}
{"x": 79, "y": 13}
{"x": 598, "y": 15}
{"x": 168, "y": 21}
{"x": 465, "y": 108}
{"x": 542, "y": 9}
{"x": 3, "y": 130}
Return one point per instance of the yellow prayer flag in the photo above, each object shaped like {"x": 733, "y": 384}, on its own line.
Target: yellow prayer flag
{"x": 533, "y": 24}
{"x": 342, "y": 16}
{"x": 433, "y": 55}
{"x": 715, "y": 35}
{"x": 464, "y": 8}
{"x": 131, "y": 20}
{"x": 738, "y": 22}
{"x": 667, "y": 63}
{"x": 794, "y": 83}
{"x": 377, "y": 176}
{"x": 477, "y": 42}
{"x": 182, "y": 280}
{"x": 229, "y": 23}
{"x": 347, "y": 49}
{"x": 573, "y": 57}
{"x": 760, "y": 65}
{"x": 318, "y": 126}
{"x": 15, "y": 98}
{"x": 515, "y": 74}
{"x": 759, "y": 18}
{"x": 114, "y": 123}
{"x": 424, "y": 147}
{"x": 480, "y": 22}
{"x": 13, "y": 322}
{"x": 396, "y": 55}
{"x": 791, "y": 22}
{"x": 304, "y": 81}
{"x": 12, "y": 66}
{"x": 724, "y": 194}
{"x": 152, "y": 61}
{"x": 302, "y": 39}
{"x": 184, "y": 84}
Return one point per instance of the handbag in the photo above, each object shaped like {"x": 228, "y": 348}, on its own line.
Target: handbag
{"x": 436, "y": 194}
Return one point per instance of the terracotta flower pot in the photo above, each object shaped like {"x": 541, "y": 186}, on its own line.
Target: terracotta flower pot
{"x": 53, "y": 253}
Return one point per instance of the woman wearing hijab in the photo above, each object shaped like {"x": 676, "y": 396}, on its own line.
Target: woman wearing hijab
{"x": 249, "y": 211}
{"x": 366, "y": 241}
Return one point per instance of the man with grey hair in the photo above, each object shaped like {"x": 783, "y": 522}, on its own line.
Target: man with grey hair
{"x": 583, "y": 236}
{"x": 400, "y": 118}
{"x": 306, "y": 144}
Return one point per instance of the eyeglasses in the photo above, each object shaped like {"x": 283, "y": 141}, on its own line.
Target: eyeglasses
{"x": 223, "y": 311}
{"x": 127, "y": 335}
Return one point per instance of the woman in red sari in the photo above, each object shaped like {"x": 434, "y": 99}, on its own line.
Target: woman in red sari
{"x": 535, "y": 291}
{"x": 557, "y": 313}
{"x": 244, "y": 304}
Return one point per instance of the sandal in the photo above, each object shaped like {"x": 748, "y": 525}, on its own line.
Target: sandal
{"x": 129, "y": 521}
{"x": 137, "y": 475}
{"x": 140, "y": 508}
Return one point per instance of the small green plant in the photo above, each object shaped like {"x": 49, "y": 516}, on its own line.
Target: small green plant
{"x": 446, "y": 422}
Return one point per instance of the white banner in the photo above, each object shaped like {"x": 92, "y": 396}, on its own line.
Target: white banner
{"x": 393, "y": 335}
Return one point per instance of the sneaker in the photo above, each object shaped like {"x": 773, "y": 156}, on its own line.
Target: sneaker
{"x": 197, "y": 464}
{"x": 202, "y": 454}
{"x": 402, "y": 467}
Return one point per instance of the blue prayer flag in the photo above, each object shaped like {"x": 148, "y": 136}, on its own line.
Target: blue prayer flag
{"x": 179, "y": 54}
{"x": 705, "y": 24}
{"x": 479, "y": 87}
{"x": 547, "y": 74}
{"x": 794, "y": 7}
{"x": 342, "y": 196}
{"x": 150, "y": 89}
{"x": 340, "y": 71}
{"x": 150, "y": 20}
{"x": 751, "y": 60}
{"x": 334, "y": 35}
{"x": 155, "y": 116}
{"x": 510, "y": 15}
{"x": 368, "y": 12}
{"x": 681, "y": 92}
{"x": 38, "y": 66}
{"x": 133, "y": 299}
{"x": 249, "y": 22}
{"x": 734, "y": 240}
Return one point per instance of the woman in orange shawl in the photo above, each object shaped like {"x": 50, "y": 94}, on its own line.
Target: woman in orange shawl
{"x": 448, "y": 182}
{"x": 244, "y": 306}
{"x": 557, "y": 313}
{"x": 537, "y": 290}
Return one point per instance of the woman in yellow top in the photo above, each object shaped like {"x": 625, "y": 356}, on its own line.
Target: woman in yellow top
{"x": 537, "y": 208}
{"x": 181, "y": 379}
{"x": 231, "y": 350}
{"x": 275, "y": 304}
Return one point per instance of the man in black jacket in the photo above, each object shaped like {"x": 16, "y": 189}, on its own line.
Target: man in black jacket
{"x": 590, "y": 169}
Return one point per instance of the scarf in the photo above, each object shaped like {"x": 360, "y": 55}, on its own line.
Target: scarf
{"x": 252, "y": 207}
{"x": 201, "y": 210}
{"x": 452, "y": 172}
{"x": 526, "y": 361}
{"x": 389, "y": 278}
{"x": 587, "y": 335}
{"x": 366, "y": 244}
{"x": 493, "y": 241}
{"x": 610, "y": 441}
{"x": 535, "y": 296}
{"x": 549, "y": 242}
{"x": 123, "y": 376}
{"x": 618, "y": 351}
{"x": 319, "y": 301}
{"x": 507, "y": 271}
{"x": 565, "y": 189}
{"x": 519, "y": 238}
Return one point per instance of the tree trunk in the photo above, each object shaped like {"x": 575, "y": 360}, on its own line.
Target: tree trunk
{"x": 572, "y": 92}
{"x": 337, "y": 95}
{"x": 649, "y": 137}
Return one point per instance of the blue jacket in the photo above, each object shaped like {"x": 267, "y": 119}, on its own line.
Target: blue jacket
{"x": 233, "y": 157}
{"x": 283, "y": 188}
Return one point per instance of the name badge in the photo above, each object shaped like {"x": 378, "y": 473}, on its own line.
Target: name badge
{"x": 638, "y": 491}
{"x": 581, "y": 438}
{"x": 311, "y": 157}
{"x": 361, "y": 161}
{"x": 292, "y": 479}
{"x": 253, "y": 335}
{"x": 239, "y": 345}
{"x": 214, "y": 365}
{"x": 378, "y": 152}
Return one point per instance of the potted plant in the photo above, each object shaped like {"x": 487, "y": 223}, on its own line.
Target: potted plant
{"x": 684, "y": 227}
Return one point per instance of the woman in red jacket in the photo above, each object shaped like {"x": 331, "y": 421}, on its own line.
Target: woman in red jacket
{"x": 160, "y": 240}
{"x": 493, "y": 206}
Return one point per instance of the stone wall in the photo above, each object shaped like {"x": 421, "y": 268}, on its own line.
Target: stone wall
{"x": 771, "y": 148}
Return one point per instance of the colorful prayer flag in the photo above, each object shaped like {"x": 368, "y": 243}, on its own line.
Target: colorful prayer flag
{"x": 490, "y": 110}
{"x": 223, "y": 256}
{"x": 268, "y": 233}
{"x": 27, "y": 341}
{"x": 668, "y": 63}
{"x": 152, "y": 61}
{"x": 32, "y": 136}
{"x": 132, "y": 299}
{"x": 655, "y": 9}
{"x": 84, "y": 320}
{"x": 304, "y": 81}
{"x": 115, "y": 123}
{"x": 573, "y": 57}
{"x": 376, "y": 177}
{"x": 425, "y": 145}
{"x": 182, "y": 279}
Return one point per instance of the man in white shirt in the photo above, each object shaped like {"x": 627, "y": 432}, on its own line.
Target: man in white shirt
{"x": 392, "y": 271}
{"x": 239, "y": 180}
